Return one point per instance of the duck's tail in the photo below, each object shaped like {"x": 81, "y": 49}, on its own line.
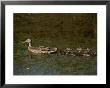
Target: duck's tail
{"x": 53, "y": 50}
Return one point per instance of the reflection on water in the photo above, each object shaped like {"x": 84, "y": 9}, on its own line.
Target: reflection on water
{"x": 54, "y": 64}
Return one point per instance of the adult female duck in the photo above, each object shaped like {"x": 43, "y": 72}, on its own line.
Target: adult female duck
{"x": 40, "y": 49}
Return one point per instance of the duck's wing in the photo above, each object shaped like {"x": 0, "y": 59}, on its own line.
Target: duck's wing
{"x": 45, "y": 49}
{"x": 35, "y": 48}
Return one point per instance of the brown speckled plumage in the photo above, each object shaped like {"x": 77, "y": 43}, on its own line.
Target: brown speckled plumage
{"x": 40, "y": 49}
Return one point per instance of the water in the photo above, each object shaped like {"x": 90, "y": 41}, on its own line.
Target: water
{"x": 64, "y": 30}
{"x": 54, "y": 64}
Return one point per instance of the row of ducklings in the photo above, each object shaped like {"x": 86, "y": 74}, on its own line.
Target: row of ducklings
{"x": 67, "y": 51}
{"x": 78, "y": 52}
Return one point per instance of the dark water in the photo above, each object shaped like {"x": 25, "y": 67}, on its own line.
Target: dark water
{"x": 54, "y": 30}
{"x": 53, "y": 64}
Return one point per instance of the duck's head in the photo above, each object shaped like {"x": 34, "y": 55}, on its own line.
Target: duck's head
{"x": 27, "y": 41}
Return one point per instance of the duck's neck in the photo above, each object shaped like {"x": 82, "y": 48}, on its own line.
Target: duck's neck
{"x": 29, "y": 44}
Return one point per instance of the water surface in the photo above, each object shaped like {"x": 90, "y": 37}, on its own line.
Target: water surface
{"x": 54, "y": 64}
{"x": 61, "y": 30}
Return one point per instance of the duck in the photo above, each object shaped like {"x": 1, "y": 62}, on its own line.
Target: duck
{"x": 40, "y": 49}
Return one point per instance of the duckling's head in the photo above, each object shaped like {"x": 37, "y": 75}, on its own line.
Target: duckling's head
{"x": 27, "y": 41}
